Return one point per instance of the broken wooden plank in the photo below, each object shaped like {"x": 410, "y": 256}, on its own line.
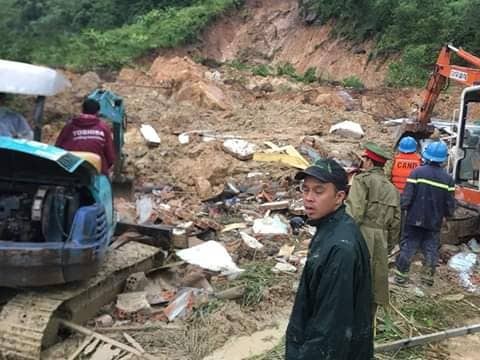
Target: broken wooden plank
{"x": 105, "y": 352}
{"x": 87, "y": 332}
{"x": 90, "y": 349}
{"x": 275, "y": 205}
{"x": 133, "y": 342}
{"x": 234, "y": 226}
{"x": 82, "y": 346}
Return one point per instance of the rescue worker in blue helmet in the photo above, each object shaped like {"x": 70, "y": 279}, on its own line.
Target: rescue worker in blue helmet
{"x": 404, "y": 162}
{"x": 428, "y": 198}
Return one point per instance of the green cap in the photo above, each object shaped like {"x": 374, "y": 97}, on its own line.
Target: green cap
{"x": 371, "y": 147}
{"x": 326, "y": 171}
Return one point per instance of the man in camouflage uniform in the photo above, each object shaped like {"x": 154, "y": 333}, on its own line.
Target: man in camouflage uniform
{"x": 374, "y": 203}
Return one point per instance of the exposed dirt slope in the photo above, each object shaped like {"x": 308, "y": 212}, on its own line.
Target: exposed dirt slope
{"x": 271, "y": 31}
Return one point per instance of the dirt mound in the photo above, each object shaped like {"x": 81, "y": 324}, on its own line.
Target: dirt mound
{"x": 188, "y": 82}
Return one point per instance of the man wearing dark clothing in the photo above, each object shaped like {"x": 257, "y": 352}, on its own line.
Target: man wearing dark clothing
{"x": 88, "y": 133}
{"x": 12, "y": 124}
{"x": 428, "y": 198}
{"x": 332, "y": 314}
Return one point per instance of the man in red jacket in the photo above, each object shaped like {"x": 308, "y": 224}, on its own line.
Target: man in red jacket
{"x": 88, "y": 133}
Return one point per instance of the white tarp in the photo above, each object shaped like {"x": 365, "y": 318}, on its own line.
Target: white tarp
{"x": 270, "y": 226}
{"x": 348, "y": 129}
{"x": 211, "y": 256}
{"x": 464, "y": 263}
{"x": 27, "y": 79}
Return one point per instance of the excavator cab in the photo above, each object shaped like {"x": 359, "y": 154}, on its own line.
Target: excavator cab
{"x": 56, "y": 208}
{"x": 466, "y": 162}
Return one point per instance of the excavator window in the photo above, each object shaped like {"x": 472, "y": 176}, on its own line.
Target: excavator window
{"x": 469, "y": 166}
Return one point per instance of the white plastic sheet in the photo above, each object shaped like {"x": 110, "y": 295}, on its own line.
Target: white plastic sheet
{"x": 348, "y": 129}
{"x": 463, "y": 263}
{"x": 270, "y": 226}
{"x": 149, "y": 133}
{"x": 211, "y": 256}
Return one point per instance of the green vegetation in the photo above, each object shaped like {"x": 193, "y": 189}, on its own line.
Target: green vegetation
{"x": 353, "y": 82}
{"x": 256, "y": 278}
{"x": 262, "y": 70}
{"x": 104, "y": 34}
{"x": 416, "y": 29}
{"x": 281, "y": 69}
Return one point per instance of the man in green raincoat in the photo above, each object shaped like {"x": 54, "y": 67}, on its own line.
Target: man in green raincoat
{"x": 332, "y": 314}
{"x": 374, "y": 203}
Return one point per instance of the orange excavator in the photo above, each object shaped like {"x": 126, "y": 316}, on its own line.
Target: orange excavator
{"x": 420, "y": 127}
{"x": 465, "y": 155}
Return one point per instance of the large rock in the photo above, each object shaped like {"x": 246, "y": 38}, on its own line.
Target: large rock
{"x": 188, "y": 82}
{"x": 176, "y": 70}
{"x": 204, "y": 95}
{"x": 333, "y": 101}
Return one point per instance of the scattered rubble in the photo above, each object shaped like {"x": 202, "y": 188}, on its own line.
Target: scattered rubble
{"x": 223, "y": 174}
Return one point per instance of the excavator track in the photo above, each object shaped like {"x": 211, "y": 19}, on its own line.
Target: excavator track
{"x": 28, "y": 321}
{"x": 464, "y": 225}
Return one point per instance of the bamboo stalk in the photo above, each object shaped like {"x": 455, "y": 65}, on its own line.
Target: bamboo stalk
{"x": 425, "y": 339}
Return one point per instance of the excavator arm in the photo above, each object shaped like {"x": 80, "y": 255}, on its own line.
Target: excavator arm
{"x": 443, "y": 71}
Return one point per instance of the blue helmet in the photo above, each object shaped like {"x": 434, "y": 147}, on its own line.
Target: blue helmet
{"x": 407, "y": 145}
{"x": 436, "y": 152}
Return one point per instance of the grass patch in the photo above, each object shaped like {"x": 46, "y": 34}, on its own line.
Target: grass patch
{"x": 277, "y": 353}
{"x": 256, "y": 278}
{"x": 262, "y": 70}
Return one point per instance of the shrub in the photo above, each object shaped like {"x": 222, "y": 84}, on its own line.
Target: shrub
{"x": 353, "y": 82}
{"x": 262, "y": 70}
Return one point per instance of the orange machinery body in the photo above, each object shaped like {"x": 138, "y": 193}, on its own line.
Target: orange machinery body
{"x": 443, "y": 70}
{"x": 468, "y": 195}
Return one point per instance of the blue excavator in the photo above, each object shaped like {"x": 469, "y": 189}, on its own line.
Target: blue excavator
{"x": 57, "y": 221}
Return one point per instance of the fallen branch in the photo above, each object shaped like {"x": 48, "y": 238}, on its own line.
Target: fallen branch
{"x": 425, "y": 339}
